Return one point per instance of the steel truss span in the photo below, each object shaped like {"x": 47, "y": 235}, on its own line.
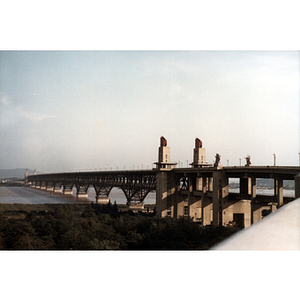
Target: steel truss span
{"x": 136, "y": 185}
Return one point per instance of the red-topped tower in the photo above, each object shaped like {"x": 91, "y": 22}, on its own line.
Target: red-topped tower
{"x": 164, "y": 155}
{"x": 199, "y": 155}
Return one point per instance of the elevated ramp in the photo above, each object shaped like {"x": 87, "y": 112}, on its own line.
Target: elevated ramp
{"x": 278, "y": 231}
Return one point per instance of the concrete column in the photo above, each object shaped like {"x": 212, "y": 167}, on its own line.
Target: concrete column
{"x": 220, "y": 193}
{"x": 210, "y": 184}
{"x": 194, "y": 199}
{"x": 190, "y": 195}
{"x": 253, "y": 196}
{"x": 202, "y": 201}
{"x": 199, "y": 183}
{"x": 206, "y": 204}
{"x": 297, "y": 186}
{"x": 278, "y": 189}
{"x": 176, "y": 196}
{"x": 253, "y": 188}
{"x": 245, "y": 186}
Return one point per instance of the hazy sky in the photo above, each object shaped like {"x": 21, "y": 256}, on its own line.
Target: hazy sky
{"x": 70, "y": 110}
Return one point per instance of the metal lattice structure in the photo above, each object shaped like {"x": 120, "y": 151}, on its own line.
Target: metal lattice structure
{"x": 136, "y": 185}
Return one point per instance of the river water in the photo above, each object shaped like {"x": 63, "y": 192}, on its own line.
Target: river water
{"x": 26, "y": 195}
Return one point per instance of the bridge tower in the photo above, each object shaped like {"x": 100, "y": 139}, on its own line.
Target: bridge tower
{"x": 199, "y": 154}
{"x": 165, "y": 185}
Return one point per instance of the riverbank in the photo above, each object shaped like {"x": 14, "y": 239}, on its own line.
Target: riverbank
{"x": 100, "y": 227}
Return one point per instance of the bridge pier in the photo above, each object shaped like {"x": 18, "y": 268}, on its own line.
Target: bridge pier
{"x": 57, "y": 189}
{"x": 68, "y": 189}
{"x": 102, "y": 194}
{"x": 102, "y": 200}
{"x": 165, "y": 194}
{"x": 49, "y": 188}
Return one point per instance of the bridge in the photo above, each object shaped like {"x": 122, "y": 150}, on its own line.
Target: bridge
{"x": 135, "y": 185}
{"x": 200, "y": 191}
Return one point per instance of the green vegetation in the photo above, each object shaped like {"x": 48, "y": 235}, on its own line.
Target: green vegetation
{"x": 99, "y": 227}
